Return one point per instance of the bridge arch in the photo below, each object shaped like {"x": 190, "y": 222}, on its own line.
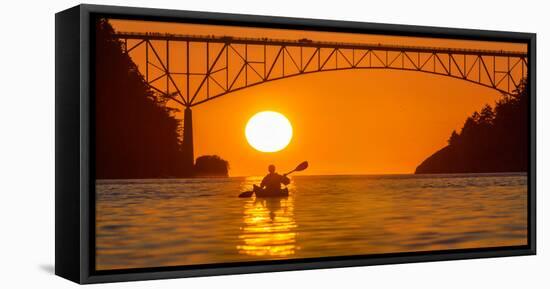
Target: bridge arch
{"x": 502, "y": 91}
{"x": 231, "y": 58}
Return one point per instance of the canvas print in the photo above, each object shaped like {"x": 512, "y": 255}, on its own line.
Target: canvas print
{"x": 218, "y": 144}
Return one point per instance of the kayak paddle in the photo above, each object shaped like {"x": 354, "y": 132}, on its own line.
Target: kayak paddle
{"x": 299, "y": 168}
{"x": 302, "y": 166}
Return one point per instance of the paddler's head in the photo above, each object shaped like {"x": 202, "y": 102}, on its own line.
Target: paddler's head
{"x": 271, "y": 168}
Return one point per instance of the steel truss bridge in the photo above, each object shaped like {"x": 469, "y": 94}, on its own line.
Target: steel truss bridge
{"x": 194, "y": 69}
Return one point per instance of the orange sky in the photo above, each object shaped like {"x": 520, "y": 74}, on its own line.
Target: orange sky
{"x": 345, "y": 122}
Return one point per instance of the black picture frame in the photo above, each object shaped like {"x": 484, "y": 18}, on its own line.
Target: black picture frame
{"x": 74, "y": 148}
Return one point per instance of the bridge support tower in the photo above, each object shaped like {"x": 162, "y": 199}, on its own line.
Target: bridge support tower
{"x": 188, "y": 153}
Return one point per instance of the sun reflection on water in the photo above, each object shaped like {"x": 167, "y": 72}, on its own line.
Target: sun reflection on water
{"x": 268, "y": 227}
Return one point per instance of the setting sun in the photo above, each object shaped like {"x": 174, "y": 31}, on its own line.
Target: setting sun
{"x": 268, "y": 131}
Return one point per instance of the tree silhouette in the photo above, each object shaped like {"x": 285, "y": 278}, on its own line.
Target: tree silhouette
{"x": 453, "y": 139}
{"x": 492, "y": 140}
{"x": 211, "y": 165}
{"x": 136, "y": 135}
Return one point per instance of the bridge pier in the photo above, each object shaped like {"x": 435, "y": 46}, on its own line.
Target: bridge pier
{"x": 188, "y": 154}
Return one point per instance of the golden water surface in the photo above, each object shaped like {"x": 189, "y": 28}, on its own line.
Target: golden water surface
{"x": 154, "y": 223}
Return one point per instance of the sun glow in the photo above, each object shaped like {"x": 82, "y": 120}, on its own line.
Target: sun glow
{"x": 268, "y": 131}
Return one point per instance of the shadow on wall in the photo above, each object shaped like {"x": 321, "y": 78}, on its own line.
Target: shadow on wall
{"x": 48, "y": 268}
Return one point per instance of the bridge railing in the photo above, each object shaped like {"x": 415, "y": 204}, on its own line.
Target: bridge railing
{"x": 304, "y": 42}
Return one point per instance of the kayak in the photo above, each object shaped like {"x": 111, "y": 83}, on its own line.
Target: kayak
{"x": 281, "y": 193}
{"x": 262, "y": 193}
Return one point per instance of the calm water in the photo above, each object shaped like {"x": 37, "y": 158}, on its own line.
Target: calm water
{"x": 151, "y": 223}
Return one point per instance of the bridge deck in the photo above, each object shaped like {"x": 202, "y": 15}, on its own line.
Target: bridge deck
{"x": 315, "y": 44}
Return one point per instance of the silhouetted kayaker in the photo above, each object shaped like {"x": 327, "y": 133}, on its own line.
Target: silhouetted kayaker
{"x": 271, "y": 183}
